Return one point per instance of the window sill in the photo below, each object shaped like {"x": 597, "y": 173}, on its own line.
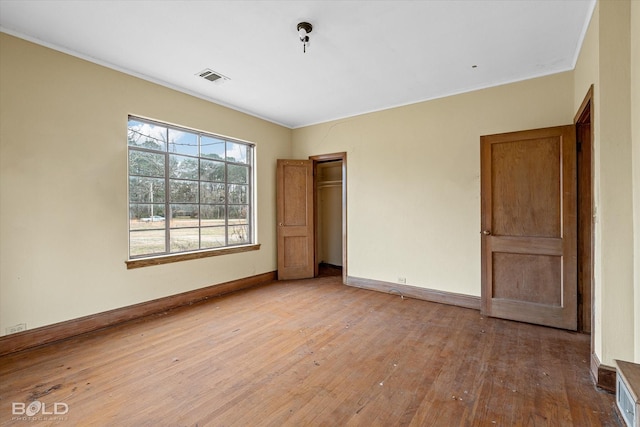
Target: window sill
{"x": 167, "y": 259}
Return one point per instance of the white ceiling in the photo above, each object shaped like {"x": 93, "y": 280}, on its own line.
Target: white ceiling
{"x": 364, "y": 55}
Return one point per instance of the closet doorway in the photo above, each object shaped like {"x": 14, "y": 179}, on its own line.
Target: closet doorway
{"x": 330, "y": 225}
{"x": 308, "y": 235}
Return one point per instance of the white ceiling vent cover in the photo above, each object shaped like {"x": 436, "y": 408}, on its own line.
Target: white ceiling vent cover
{"x": 212, "y": 76}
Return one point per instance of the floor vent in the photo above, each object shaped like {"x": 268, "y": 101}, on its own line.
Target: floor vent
{"x": 212, "y": 76}
{"x": 626, "y": 392}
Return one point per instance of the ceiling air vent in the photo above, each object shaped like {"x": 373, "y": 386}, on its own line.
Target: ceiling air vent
{"x": 212, "y": 76}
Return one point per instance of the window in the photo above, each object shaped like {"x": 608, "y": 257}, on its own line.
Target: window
{"x": 188, "y": 191}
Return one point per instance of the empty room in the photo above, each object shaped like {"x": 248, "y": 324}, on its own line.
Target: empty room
{"x": 320, "y": 213}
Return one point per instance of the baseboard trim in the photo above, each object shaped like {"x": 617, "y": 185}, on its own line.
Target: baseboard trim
{"x": 431, "y": 295}
{"x": 59, "y": 331}
{"x": 604, "y": 376}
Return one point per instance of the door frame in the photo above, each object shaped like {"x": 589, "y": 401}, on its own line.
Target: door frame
{"x": 323, "y": 158}
{"x": 585, "y": 115}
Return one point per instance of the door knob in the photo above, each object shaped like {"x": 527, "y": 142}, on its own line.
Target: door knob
{"x": 486, "y": 232}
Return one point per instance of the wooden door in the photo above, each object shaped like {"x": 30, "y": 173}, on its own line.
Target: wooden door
{"x": 529, "y": 242}
{"x": 295, "y": 219}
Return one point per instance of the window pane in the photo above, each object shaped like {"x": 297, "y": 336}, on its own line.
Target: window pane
{"x": 237, "y": 194}
{"x": 212, "y": 237}
{"x": 146, "y": 242}
{"x": 211, "y": 193}
{"x": 238, "y": 234}
{"x": 211, "y": 171}
{"x": 212, "y": 148}
{"x": 183, "y": 167}
{"x": 237, "y": 174}
{"x": 238, "y": 214}
{"x": 237, "y": 152}
{"x": 185, "y": 239}
{"x": 184, "y": 216}
{"x": 211, "y": 215}
{"x": 147, "y": 135}
{"x": 182, "y": 142}
{"x": 183, "y": 191}
{"x": 187, "y": 190}
{"x": 149, "y": 190}
{"x": 146, "y": 216}
{"x": 145, "y": 163}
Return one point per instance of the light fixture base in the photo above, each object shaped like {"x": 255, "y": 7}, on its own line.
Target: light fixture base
{"x": 305, "y": 26}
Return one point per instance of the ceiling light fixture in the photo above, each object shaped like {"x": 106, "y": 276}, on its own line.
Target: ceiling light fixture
{"x": 304, "y": 28}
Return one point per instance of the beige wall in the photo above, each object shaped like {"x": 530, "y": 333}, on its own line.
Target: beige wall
{"x": 63, "y": 187}
{"x": 413, "y": 187}
{"x": 605, "y": 61}
{"x": 635, "y": 135}
{"x": 616, "y": 196}
{"x": 587, "y": 73}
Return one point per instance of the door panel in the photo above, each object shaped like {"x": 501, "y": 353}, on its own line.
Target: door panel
{"x": 535, "y": 275}
{"x": 295, "y": 219}
{"x": 526, "y": 188}
{"x": 529, "y": 243}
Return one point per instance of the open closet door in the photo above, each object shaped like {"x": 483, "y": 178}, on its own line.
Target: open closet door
{"x": 295, "y": 219}
{"x": 529, "y": 242}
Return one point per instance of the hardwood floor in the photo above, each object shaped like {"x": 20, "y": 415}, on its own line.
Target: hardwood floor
{"x": 311, "y": 352}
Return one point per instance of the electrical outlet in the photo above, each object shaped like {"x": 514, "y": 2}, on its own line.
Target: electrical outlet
{"x": 402, "y": 280}
{"x": 16, "y": 328}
